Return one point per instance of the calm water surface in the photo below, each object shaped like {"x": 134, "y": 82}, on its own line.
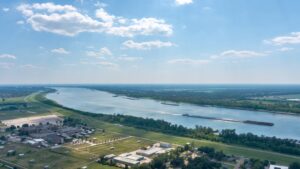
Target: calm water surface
{"x": 285, "y": 126}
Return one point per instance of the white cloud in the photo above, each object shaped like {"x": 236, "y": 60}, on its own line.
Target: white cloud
{"x": 102, "y": 52}
{"x": 60, "y": 51}
{"x": 102, "y": 64}
{"x": 188, "y": 61}
{"x": 67, "y": 20}
{"x": 5, "y": 9}
{"x": 7, "y": 56}
{"x": 68, "y": 24}
{"x": 104, "y": 16}
{"x": 285, "y": 49}
{"x": 20, "y": 22}
{"x": 6, "y": 65}
{"x": 143, "y": 26}
{"x": 183, "y": 2}
{"x": 48, "y": 7}
{"x": 293, "y": 38}
{"x": 238, "y": 54}
{"x": 146, "y": 45}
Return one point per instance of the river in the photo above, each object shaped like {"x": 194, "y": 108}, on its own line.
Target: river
{"x": 94, "y": 101}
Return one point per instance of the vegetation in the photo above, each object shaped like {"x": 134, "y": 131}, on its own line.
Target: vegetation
{"x": 269, "y": 143}
{"x": 212, "y": 153}
{"x": 176, "y": 160}
{"x": 295, "y": 165}
{"x": 254, "y": 97}
{"x": 255, "y": 164}
{"x": 227, "y": 136}
{"x": 65, "y": 156}
{"x": 17, "y": 91}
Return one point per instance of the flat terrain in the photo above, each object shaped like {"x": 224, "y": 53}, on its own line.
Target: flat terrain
{"x": 115, "y": 140}
{"x": 250, "y": 97}
{"x": 33, "y": 120}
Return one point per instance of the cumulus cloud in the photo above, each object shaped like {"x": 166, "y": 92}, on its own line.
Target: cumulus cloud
{"x": 146, "y": 45}
{"x": 100, "y": 53}
{"x": 143, "y": 26}
{"x": 69, "y": 21}
{"x": 188, "y": 61}
{"x": 292, "y": 38}
{"x": 239, "y": 54}
{"x": 7, "y": 56}
{"x": 183, "y": 2}
{"x": 60, "y": 51}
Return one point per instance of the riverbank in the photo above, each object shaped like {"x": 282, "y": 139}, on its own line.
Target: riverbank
{"x": 104, "y": 117}
{"x": 203, "y": 105}
{"x": 100, "y": 102}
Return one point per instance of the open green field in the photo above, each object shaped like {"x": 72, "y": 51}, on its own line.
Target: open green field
{"x": 153, "y": 136}
{"x": 69, "y": 157}
{"x": 118, "y": 144}
{"x": 39, "y": 157}
{"x": 33, "y": 107}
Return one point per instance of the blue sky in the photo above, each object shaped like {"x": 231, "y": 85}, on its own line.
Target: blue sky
{"x": 150, "y": 41}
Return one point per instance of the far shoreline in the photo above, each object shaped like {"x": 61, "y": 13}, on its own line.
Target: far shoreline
{"x": 215, "y": 106}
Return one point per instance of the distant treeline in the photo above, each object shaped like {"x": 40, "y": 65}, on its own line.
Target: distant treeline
{"x": 286, "y": 146}
{"x": 252, "y": 97}
{"x": 18, "y": 91}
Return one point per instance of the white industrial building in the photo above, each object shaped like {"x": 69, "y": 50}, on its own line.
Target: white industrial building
{"x": 141, "y": 156}
{"x": 278, "y": 167}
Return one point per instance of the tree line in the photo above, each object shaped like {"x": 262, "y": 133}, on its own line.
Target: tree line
{"x": 286, "y": 146}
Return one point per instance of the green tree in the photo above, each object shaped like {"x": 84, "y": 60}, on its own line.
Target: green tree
{"x": 295, "y": 165}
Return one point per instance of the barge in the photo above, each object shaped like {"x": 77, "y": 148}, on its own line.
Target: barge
{"x": 231, "y": 120}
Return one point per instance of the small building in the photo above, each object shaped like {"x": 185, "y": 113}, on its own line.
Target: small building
{"x": 165, "y": 145}
{"x": 135, "y": 157}
{"x": 149, "y": 152}
{"x": 278, "y": 167}
{"x": 109, "y": 156}
{"x": 54, "y": 139}
{"x": 11, "y": 152}
{"x": 126, "y": 161}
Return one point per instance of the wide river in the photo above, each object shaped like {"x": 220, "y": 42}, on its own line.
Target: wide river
{"x": 285, "y": 126}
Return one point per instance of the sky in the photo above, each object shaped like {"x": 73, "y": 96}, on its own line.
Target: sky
{"x": 149, "y": 41}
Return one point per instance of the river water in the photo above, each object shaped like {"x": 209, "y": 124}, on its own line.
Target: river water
{"x": 94, "y": 101}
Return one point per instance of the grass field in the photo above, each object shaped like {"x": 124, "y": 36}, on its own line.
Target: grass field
{"x": 74, "y": 156}
{"x": 153, "y": 136}
{"x": 38, "y": 158}
{"x": 33, "y": 108}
